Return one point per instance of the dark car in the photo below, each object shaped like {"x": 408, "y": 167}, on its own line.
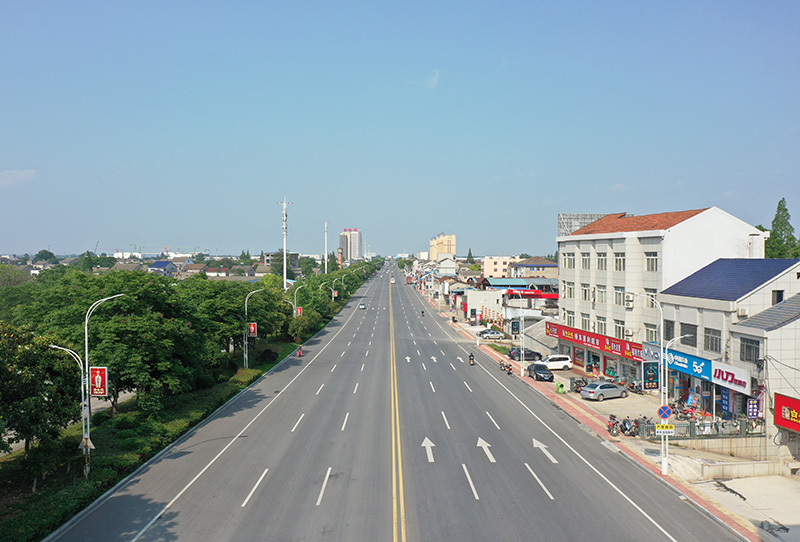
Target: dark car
{"x": 530, "y": 355}
{"x": 539, "y": 371}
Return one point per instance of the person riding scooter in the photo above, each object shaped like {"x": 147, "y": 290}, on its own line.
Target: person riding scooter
{"x": 471, "y": 359}
{"x": 423, "y": 313}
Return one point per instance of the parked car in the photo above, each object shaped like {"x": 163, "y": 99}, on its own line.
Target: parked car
{"x": 558, "y": 361}
{"x": 492, "y": 334}
{"x": 530, "y": 355}
{"x": 539, "y": 371}
{"x": 600, "y": 390}
{"x": 480, "y": 333}
{"x": 362, "y": 306}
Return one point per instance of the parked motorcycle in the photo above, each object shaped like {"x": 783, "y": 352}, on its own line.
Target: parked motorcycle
{"x": 636, "y": 387}
{"x": 627, "y": 427}
{"x": 579, "y": 384}
{"x": 613, "y": 425}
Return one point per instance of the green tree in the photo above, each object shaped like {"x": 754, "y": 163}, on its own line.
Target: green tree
{"x": 245, "y": 259}
{"x": 307, "y": 266}
{"x": 525, "y": 256}
{"x": 781, "y": 242}
{"x": 277, "y": 265}
{"x": 304, "y": 325}
{"x": 199, "y": 258}
{"x": 333, "y": 263}
{"x": 11, "y": 276}
{"x": 475, "y": 267}
{"x": 470, "y": 258}
{"x": 46, "y": 256}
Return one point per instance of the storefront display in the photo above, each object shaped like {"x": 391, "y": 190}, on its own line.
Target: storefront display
{"x": 578, "y": 358}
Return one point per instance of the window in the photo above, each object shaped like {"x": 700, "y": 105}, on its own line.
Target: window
{"x": 570, "y": 319}
{"x": 651, "y": 333}
{"x": 602, "y": 261}
{"x": 584, "y": 321}
{"x": 651, "y": 259}
{"x": 619, "y": 295}
{"x": 569, "y": 260}
{"x": 601, "y": 293}
{"x": 651, "y": 297}
{"x": 749, "y": 350}
{"x": 586, "y": 294}
{"x": 619, "y": 329}
{"x": 585, "y": 259}
{"x": 619, "y": 261}
{"x": 601, "y": 325}
{"x": 689, "y": 334}
{"x": 669, "y": 330}
{"x": 777, "y": 296}
{"x": 712, "y": 340}
{"x": 569, "y": 290}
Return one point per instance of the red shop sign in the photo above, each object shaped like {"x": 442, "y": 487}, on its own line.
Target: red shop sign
{"x": 787, "y": 412}
{"x": 610, "y": 345}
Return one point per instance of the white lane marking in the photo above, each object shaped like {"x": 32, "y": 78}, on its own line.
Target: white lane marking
{"x": 370, "y": 343}
{"x": 348, "y": 343}
{"x": 485, "y": 445}
{"x": 324, "y": 485}
{"x": 345, "y": 420}
{"x": 429, "y": 334}
{"x": 418, "y": 353}
{"x": 469, "y": 479}
{"x": 467, "y": 385}
{"x": 423, "y": 366}
{"x": 342, "y": 354}
{"x": 442, "y": 351}
{"x": 494, "y": 422}
{"x": 445, "y": 420}
{"x": 320, "y": 389}
{"x": 453, "y": 366}
{"x": 415, "y": 343}
{"x": 437, "y": 344}
{"x": 333, "y": 368}
{"x": 354, "y": 335}
{"x": 367, "y": 353}
{"x": 355, "y": 389}
{"x": 431, "y": 383}
{"x": 298, "y": 422}
{"x": 254, "y": 487}
{"x": 362, "y": 367}
{"x": 540, "y": 482}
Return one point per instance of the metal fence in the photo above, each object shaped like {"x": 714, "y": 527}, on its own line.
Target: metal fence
{"x": 738, "y": 428}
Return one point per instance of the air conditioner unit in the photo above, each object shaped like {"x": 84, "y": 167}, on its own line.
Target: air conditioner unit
{"x": 629, "y": 333}
{"x": 741, "y": 312}
{"x": 628, "y": 301}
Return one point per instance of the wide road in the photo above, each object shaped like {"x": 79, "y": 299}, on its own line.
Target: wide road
{"x": 383, "y": 431}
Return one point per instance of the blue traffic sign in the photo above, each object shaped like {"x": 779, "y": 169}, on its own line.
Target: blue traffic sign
{"x": 664, "y": 412}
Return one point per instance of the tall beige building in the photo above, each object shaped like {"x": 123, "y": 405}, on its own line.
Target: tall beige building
{"x": 442, "y": 245}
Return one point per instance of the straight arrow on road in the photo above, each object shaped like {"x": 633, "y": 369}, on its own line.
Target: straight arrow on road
{"x": 433, "y": 358}
{"x": 429, "y": 446}
{"x": 543, "y": 448}
{"x": 485, "y": 445}
{"x": 408, "y": 359}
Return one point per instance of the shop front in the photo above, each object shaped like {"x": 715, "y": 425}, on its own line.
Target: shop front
{"x": 734, "y": 388}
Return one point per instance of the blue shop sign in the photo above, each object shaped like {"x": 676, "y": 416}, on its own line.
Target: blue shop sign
{"x": 690, "y": 365}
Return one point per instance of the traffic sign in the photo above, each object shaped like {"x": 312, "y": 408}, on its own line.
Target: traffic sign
{"x": 665, "y": 429}
{"x": 98, "y": 381}
{"x": 664, "y": 412}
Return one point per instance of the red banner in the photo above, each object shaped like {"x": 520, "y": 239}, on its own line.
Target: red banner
{"x": 98, "y": 381}
{"x": 299, "y": 311}
{"x": 609, "y": 345}
{"x": 787, "y": 412}
{"x": 252, "y": 329}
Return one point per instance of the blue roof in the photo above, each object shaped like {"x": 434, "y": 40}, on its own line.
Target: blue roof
{"x": 159, "y": 264}
{"x": 730, "y": 279}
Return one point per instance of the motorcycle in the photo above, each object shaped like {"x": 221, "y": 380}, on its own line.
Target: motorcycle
{"x": 471, "y": 359}
{"x": 613, "y": 425}
{"x": 579, "y": 384}
{"x": 636, "y": 387}
{"x": 628, "y": 427}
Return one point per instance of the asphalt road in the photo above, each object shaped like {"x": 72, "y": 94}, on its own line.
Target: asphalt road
{"x": 383, "y": 431}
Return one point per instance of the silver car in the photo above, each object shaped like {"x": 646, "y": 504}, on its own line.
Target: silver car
{"x": 600, "y": 390}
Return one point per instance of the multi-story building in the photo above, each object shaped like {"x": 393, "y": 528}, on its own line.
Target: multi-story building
{"x": 535, "y": 267}
{"x": 442, "y": 246}
{"x": 350, "y": 243}
{"x": 498, "y": 267}
{"x": 603, "y": 327}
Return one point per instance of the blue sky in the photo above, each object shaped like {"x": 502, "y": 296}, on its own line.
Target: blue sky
{"x": 183, "y": 124}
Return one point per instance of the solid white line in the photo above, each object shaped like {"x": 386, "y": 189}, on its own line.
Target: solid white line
{"x": 467, "y": 385}
{"x": 324, "y": 484}
{"x": 362, "y": 367}
{"x": 355, "y": 389}
{"x": 431, "y": 383}
{"x": 333, "y": 368}
{"x": 254, "y": 488}
{"x": 494, "y": 422}
{"x": 345, "y": 420}
{"x": 423, "y": 366}
{"x": 453, "y": 366}
{"x": 469, "y": 479}
{"x": 298, "y": 422}
{"x": 320, "y": 389}
{"x": 540, "y": 482}
{"x": 445, "y": 420}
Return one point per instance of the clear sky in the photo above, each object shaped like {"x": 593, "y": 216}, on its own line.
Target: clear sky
{"x": 183, "y": 124}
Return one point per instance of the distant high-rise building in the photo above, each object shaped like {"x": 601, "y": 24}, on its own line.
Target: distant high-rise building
{"x": 442, "y": 245}
{"x": 350, "y": 243}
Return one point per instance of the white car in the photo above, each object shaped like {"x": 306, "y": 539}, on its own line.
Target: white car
{"x": 557, "y": 361}
{"x": 362, "y": 306}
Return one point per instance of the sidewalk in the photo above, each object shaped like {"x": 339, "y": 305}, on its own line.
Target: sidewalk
{"x": 758, "y": 508}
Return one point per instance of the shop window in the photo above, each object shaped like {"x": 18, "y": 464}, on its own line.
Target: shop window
{"x": 602, "y": 261}
{"x": 688, "y": 334}
{"x": 669, "y": 330}
{"x": 712, "y": 340}
{"x": 749, "y": 350}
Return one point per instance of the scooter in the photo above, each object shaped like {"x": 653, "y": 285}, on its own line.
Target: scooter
{"x": 627, "y": 427}
{"x": 471, "y": 359}
{"x": 636, "y": 387}
{"x": 613, "y": 425}
{"x": 579, "y": 384}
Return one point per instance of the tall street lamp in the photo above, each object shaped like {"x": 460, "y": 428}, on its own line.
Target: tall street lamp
{"x": 665, "y": 438}
{"x": 247, "y": 327}
{"x": 86, "y": 357}
{"x": 331, "y": 289}
{"x": 86, "y": 443}
{"x": 521, "y": 338}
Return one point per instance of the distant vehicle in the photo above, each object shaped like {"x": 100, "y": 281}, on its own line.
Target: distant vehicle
{"x": 558, "y": 361}
{"x": 539, "y": 371}
{"x": 492, "y": 334}
{"x": 600, "y": 390}
{"x": 530, "y": 355}
{"x": 362, "y": 306}
{"x": 392, "y": 280}
{"x": 481, "y": 332}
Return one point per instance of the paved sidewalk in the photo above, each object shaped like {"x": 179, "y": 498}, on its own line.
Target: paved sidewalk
{"x": 758, "y": 508}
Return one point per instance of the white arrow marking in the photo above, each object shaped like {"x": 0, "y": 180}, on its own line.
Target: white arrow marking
{"x": 428, "y": 445}
{"x": 459, "y": 359}
{"x": 408, "y": 359}
{"x": 433, "y": 358}
{"x": 485, "y": 445}
{"x": 543, "y": 448}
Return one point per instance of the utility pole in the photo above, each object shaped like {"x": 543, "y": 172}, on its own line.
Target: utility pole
{"x": 285, "y": 233}
{"x": 326, "y": 248}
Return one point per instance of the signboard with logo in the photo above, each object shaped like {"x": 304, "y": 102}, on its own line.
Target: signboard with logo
{"x": 299, "y": 311}
{"x": 752, "y": 408}
{"x": 650, "y": 375}
{"x": 734, "y": 378}
{"x": 609, "y": 345}
{"x": 787, "y": 412}
{"x": 689, "y": 364}
{"x": 252, "y": 329}
{"x": 98, "y": 381}
{"x": 515, "y": 327}
{"x": 725, "y": 399}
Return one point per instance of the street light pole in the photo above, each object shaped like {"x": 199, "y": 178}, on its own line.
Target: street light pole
{"x": 84, "y": 421}
{"x": 665, "y": 438}
{"x": 86, "y": 360}
{"x": 246, "y": 328}
{"x": 295, "y": 298}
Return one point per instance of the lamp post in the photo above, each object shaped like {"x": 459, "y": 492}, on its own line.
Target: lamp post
{"x": 295, "y": 298}
{"x": 331, "y": 289}
{"x": 521, "y": 339}
{"x": 246, "y": 328}
{"x": 84, "y": 421}
{"x": 86, "y": 359}
{"x": 665, "y": 438}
